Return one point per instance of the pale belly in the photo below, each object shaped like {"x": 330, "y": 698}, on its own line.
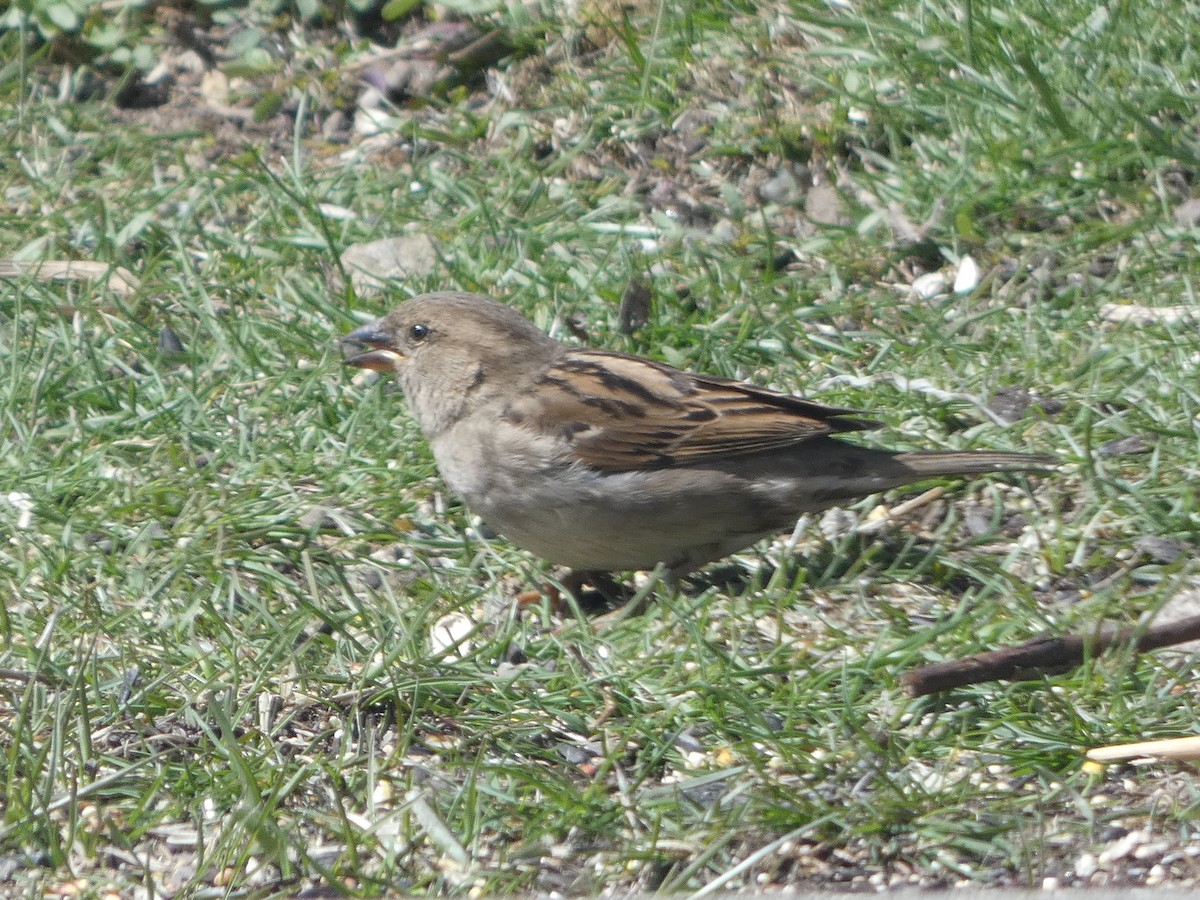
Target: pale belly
{"x": 615, "y": 526}
{"x": 577, "y": 517}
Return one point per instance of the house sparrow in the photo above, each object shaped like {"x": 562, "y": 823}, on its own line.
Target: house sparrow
{"x": 605, "y": 462}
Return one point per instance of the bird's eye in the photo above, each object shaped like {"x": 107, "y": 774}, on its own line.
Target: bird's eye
{"x": 418, "y": 332}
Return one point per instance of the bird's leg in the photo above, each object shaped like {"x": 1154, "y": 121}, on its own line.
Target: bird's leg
{"x": 584, "y": 592}
{"x": 610, "y": 590}
{"x": 638, "y": 603}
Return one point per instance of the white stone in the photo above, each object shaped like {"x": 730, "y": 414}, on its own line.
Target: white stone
{"x": 966, "y": 279}
{"x": 930, "y": 285}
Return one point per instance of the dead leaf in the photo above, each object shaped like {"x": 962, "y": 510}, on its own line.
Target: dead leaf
{"x": 117, "y": 279}
{"x": 635, "y": 306}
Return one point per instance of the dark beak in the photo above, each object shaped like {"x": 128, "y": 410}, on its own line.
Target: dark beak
{"x": 379, "y": 354}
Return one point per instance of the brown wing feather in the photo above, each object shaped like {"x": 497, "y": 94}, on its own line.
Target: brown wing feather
{"x": 623, "y": 412}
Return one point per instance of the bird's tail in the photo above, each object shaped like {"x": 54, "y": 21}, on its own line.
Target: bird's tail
{"x": 935, "y": 463}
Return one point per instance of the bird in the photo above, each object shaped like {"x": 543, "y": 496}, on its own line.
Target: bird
{"x": 604, "y": 462}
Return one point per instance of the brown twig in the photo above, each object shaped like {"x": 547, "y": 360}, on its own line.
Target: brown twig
{"x": 1043, "y": 656}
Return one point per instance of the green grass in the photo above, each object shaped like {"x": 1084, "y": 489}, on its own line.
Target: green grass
{"x": 216, "y": 668}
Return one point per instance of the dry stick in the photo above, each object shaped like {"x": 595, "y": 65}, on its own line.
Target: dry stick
{"x": 1043, "y": 656}
{"x": 1171, "y": 748}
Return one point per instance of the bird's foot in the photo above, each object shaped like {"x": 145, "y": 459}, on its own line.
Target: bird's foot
{"x": 582, "y": 594}
{"x": 634, "y": 603}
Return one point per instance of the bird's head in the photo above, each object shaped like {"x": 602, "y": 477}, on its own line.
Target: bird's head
{"x": 449, "y": 350}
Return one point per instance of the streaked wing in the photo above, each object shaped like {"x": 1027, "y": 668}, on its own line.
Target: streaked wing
{"x": 623, "y": 413}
